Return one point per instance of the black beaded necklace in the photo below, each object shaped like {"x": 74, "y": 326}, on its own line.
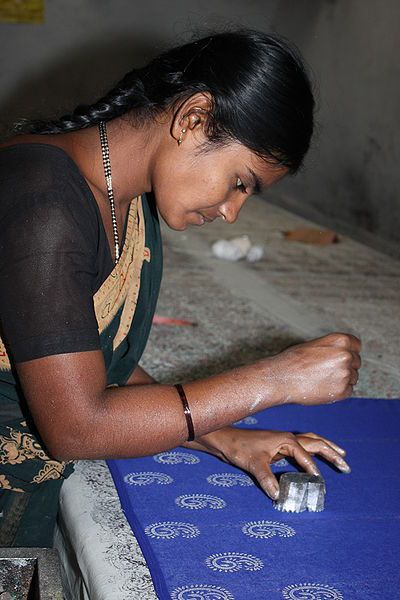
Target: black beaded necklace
{"x": 105, "y": 151}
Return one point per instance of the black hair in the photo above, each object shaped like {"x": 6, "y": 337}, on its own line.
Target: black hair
{"x": 261, "y": 94}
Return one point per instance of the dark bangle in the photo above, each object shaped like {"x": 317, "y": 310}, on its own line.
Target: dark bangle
{"x": 186, "y": 410}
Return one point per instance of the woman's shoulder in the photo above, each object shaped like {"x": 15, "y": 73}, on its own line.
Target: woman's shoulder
{"x": 44, "y": 196}
{"x": 35, "y": 160}
{"x": 32, "y": 171}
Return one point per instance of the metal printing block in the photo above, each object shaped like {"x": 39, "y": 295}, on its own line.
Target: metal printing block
{"x": 299, "y": 492}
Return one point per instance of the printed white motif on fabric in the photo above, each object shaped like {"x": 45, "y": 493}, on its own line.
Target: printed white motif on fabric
{"x": 147, "y": 478}
{"x": 228, "y": 562}
{"x": 229, "y": 479}
{"x": 311, "y": 591}
{"x": 201, "y": 592}
{"x": 247, "y": 421}
{"x": 174, "y": 458}
{"x": 198, "y": 501}
{"x": 267, "y": 529}
{"x": 280, "y": 463}
{"x": 168, "y": 530}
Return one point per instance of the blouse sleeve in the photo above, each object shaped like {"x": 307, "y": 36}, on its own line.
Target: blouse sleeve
{"x": 48, "y": 246}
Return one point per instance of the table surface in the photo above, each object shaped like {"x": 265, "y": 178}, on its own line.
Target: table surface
{"x": 112, "y": 564}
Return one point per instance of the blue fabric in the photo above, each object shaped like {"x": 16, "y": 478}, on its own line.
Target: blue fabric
{"x": 234, "y": 545}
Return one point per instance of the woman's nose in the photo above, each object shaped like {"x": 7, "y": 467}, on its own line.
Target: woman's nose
{"x": 230, "y": 210}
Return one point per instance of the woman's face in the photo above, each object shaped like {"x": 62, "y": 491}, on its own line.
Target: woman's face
{"x": 193, "y": 187}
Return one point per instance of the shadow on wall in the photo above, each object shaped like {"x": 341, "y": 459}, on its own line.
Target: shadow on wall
{"x": 81, "y": 77}
{"x": 303, "y": 18}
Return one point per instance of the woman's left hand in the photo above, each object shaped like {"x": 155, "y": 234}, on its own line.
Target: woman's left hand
{"x": 254, "y": 450}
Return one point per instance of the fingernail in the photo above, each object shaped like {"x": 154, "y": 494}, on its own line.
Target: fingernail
{"x": 341, "y": 450}
{"x": 343, "y": 466}
{"x": 273, "y": 493}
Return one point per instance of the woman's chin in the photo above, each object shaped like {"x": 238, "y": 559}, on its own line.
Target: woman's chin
{"x": 174, "y": 224}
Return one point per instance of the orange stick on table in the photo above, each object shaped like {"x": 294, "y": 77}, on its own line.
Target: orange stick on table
{"x": 159, "y": 320}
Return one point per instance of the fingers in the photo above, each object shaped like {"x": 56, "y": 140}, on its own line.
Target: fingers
{"x": 347, "y": 392}
{"x": 348, "y": 354}
{"x": 355, "y": 343}
{"x": 299, "y": 448}
{"x": 353, "y": 377}
{"x": 265, "y": 477}
{"x": 333, "y": 457}
{"x": 323, "y": 448}
{"x": 303, "y": 458}
{"x": 356, "y": 361}
{"x": 346, "y": 341}
{"x": 339, "y": 449}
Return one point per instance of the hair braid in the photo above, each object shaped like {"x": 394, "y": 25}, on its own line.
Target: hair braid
{"x": 261, "y": 94}
{"x": 126, "y": 95}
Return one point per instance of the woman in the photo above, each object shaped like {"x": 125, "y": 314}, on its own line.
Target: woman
{"x": 190, "y": 137}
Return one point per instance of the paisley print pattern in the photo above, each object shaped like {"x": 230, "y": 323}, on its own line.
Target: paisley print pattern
{"x": 267, "y": 529}
{"x": 199, "y": 501}
{"x": 168, "y": 530}
{"x": 229, "y": 479}
{"x": 201, "y": 592}
{"x": 147, "y": 478}
{"x": 175, "y": 458}
{"x": 311, "y": 591}
{"x": 228, "y": 562}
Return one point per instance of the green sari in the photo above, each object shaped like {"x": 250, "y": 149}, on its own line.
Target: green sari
{"x": 124, "y": 307}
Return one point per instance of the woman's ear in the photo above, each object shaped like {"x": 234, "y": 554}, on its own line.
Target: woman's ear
{"x": 196, "y": 116}
{"x": 192, "y": 115}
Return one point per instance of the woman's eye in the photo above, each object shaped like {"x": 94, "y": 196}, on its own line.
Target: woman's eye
{"x": 240, "y": 185}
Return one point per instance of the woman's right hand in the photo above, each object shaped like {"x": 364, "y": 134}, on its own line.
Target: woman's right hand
{"x": 319, "y": 371}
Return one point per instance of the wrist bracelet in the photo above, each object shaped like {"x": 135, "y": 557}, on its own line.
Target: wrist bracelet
{"x": 186, "y": 411}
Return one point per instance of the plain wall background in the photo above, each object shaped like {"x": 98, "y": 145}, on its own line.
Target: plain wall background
{"x": 352, "y": 46}
{"x": 352, "y": 175}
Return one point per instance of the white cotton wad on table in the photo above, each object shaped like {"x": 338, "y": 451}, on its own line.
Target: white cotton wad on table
{"x": 237, "y": 248}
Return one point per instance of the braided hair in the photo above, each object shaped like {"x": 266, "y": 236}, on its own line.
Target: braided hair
{"x": 260, "y": 91}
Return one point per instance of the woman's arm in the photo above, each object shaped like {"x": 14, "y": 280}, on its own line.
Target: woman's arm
{"x": 254, "y": 450}
{"x": 139, "y": 376}
{"x": 79, "y": 417}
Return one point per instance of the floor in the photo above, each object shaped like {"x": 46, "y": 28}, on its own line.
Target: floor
{"x": 296, "y": 292}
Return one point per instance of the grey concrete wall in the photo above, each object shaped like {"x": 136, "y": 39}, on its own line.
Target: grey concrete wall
{"x": 352, "y": 46}
{"x": 353, "y": 172}
{"x": 86, "y": 45}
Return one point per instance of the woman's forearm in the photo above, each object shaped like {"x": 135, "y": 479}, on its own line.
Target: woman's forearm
{"x": 149, "y": 418}
{"x": 79, "y": 417}
{"x": 137, "y": 420}
{"x": 206, "y": 443}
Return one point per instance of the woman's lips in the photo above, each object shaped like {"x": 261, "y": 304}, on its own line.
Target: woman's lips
{"x": 206, "y": 219}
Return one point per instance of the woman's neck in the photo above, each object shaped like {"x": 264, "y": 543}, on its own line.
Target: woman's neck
{"x": 131, "y": 156}
{"x": 132, "y": 152}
